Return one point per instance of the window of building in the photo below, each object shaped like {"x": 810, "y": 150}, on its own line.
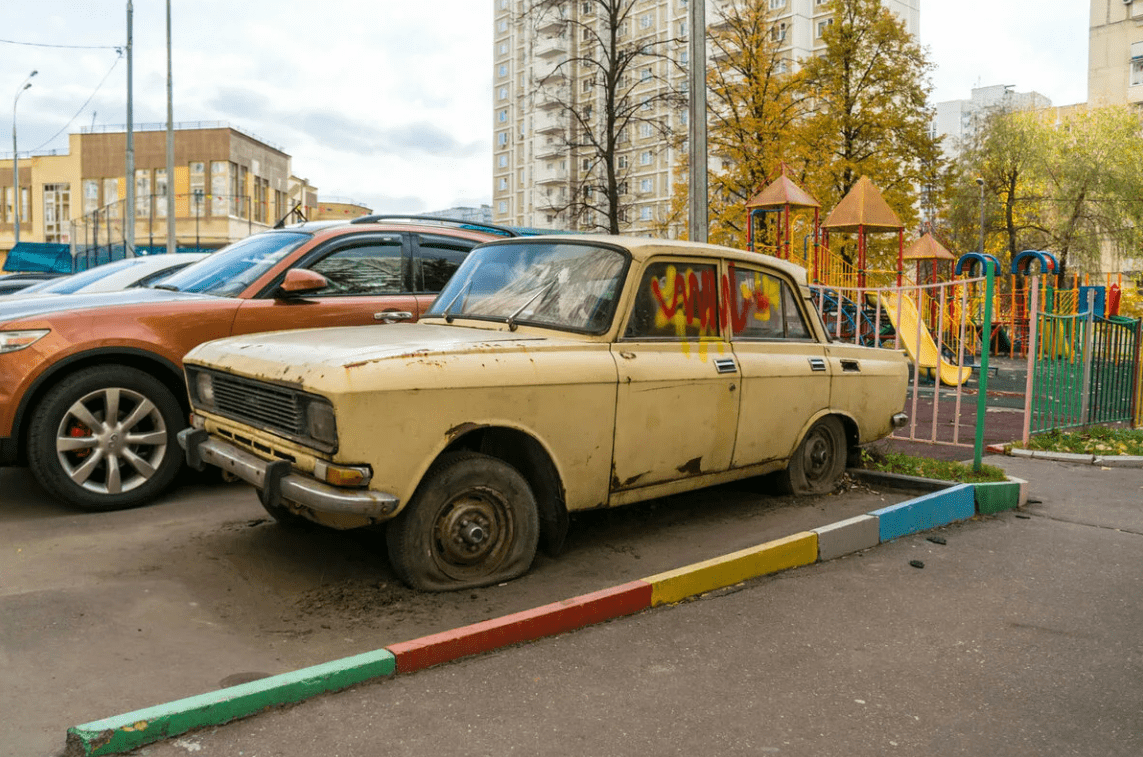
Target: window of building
{"x": 587, "y": 84}
{"x": 778, "y": 32}
{"x": 682, "y": 28}
{"x": 645, "y": 213}
{"x": 775, "y": 4}
{"x": 645, "y": 21}
{"x": 57, "y": 212}
{"x": 502, "y": 184}
{"x": 142, "y": 193}
{"x": 645, "y": 103}
{"x": 645, "y": 158}
{"x": 90, "y": 196}
{"x": 111, "y": 197}
{"x": 502, "y": 25}
{"x": 502, "y": 138}
{"x": 588, "y": 7}
{"x": 822, "y": 25}
{"x": 502, "y": 70}
{"x": 219, "y": 186}
{"x": 160, "y": 193}
{"x": 502, "y": 161}
{"x": 621, "y": 161}
{"x": 645, "y": 185}
{"x": 502, "y": 93}
{"x": 645, "y": 74}
{"x": 502, "y": 207}
{"x": 503, "y": 48}
{"x": 645, "y": 130}
{"x": 502, "y": 116}
{"x": 585, "y": 164}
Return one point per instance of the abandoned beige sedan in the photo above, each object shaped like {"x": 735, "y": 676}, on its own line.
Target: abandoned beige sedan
{"x": 552, "y": 374}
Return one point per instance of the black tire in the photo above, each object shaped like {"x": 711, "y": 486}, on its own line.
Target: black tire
{"x": 82, "y": 459}
{"x": 819, "y": 460}
{"x": 472, "y": 522}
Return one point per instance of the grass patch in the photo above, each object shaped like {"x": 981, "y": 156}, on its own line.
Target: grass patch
{"x": 1097, "y": 440}
{"x": 926, "y": 467}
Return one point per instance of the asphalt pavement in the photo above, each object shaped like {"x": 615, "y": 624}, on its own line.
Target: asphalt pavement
{"x": 1018, "y": 635}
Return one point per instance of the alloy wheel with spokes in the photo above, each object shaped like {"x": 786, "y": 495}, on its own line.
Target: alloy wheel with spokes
{"x": 103, "y": 439}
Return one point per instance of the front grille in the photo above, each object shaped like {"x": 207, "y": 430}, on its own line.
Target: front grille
{"x": 267, "y": 406}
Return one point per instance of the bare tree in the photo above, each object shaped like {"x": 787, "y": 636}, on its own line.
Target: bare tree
{"x": 611, "y": 75}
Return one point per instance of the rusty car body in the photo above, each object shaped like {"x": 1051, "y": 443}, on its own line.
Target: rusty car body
{"x": 552, "y": 374}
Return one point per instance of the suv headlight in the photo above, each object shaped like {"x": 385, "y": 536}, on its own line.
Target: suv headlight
{"x": 321, "y": 424}
{"x": 11, "y": 341}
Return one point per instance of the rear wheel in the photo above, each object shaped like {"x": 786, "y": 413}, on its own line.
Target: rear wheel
{"x": 104, "y": 439}
{"x": 819, "y": 460}
{"x": 472, "y": 522}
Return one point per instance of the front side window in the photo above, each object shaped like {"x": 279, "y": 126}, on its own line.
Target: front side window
{"x": 676, "y": 300}
{"x": 566, "y": 286}
{"x": 436, "y": 260}
{"x": 368, "y": 268}
{"x": 762, "y": 306}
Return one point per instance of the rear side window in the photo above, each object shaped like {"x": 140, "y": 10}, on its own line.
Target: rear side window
{"x": 763, "y": 307}
{"x": 435, "y": 260}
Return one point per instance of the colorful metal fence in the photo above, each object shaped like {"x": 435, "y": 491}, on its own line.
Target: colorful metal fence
{"x": 1085, "y": 370}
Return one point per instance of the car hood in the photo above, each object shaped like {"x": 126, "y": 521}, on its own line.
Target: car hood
{"x": 34, "y": 307}
{"x": 355, "y": 346}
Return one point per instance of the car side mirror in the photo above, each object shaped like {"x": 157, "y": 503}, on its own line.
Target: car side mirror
{"x": 299, "y": 282}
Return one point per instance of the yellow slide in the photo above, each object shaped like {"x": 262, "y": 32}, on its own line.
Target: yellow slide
{"x": 925, "y": 353}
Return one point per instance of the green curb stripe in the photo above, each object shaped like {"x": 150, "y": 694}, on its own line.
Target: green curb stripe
{"x": 135, "y": 729}
{"x": 996, "y": 496}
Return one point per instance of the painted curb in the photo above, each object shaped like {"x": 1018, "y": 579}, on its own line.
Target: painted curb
{"x": 1081, "y": 458}
{"x": 719, "y": 572}
{"x": 996, "y": 496}
{"x": 848, "y": 536}
{"x": 528, "y": 625}
{"x": 134, "y": 729}
{"x": 932, "y": 510}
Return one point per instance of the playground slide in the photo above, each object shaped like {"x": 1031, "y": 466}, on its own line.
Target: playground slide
{"x": 924, "y": 349}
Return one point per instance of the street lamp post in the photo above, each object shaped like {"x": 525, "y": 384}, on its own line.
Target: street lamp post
{"x": 15, "y": 156}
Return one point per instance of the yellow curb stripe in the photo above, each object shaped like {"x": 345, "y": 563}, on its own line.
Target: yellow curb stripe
{"x": 771, "y": 557}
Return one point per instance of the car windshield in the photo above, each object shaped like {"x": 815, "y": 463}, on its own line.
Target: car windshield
{"x": 75, "y": 282}
{"x": 559, "y": 285}
{"x": 229, "y": 271}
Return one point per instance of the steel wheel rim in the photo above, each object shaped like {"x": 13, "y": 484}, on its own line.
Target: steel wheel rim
{"x": 818, "y": 457}
{"x": 111, "y": 441}
{"x": 472, "y": 533}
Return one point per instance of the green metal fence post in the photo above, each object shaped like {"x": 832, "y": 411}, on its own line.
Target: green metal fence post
{"x": 985, "y": 348}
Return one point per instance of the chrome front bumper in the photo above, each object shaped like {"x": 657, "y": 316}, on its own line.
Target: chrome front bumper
{"x": 276, "y": 481}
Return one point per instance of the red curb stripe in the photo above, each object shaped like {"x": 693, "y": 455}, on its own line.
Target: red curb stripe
{"x": 527, "y": 625}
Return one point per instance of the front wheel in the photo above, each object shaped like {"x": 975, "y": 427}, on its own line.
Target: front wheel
{"x": 819, "y": 460}
{"x": 472, "y": 522}
{"x": 104, "y": 439}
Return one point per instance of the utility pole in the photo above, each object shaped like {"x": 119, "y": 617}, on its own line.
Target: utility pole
{"x": 129, "y": 211}
{"x": 699, "y": 214}
{"x": 170, "y": 144}
{"x": 16, "y": 157}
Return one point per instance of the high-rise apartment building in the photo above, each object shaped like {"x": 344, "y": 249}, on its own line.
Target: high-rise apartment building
{"x": 1115, "y": 52}
{"x": 957, "y": 120}
{"x": 535, "y": 172}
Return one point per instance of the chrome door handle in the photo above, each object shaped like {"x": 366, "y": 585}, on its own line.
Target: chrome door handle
{"x": 392, "y": 316}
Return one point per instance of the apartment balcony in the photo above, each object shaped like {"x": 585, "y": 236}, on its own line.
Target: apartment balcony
{"x": 553, "y": 21}
{"x": 554, "y": 175}
{"x": 549, "y": 122}
{"x": 550, "y": 70}
{"x": 550, "y": 147}
{"x": 548, "y": 47}
{"x": 552, "y": 97}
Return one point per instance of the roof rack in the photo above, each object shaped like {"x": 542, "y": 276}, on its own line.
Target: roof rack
{"x": 474, "y": 225}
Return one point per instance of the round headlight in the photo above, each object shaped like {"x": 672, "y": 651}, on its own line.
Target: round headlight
{"x": 204, "y": 388}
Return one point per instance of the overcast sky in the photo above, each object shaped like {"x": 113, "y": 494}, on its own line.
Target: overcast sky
{"x": 388, "y": 102}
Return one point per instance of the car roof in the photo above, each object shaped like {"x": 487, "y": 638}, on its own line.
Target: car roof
{"x": 642, "y": 248}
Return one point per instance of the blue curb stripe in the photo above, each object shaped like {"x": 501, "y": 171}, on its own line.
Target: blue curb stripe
{"x": 932, "y": 510}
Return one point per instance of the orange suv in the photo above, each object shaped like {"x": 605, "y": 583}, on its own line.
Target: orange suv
{"x": 91, "y": 386}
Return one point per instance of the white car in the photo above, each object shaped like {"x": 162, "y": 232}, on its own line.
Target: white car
{"x": 112, "y": 277}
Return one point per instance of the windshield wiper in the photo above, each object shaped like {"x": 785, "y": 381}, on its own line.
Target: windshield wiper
{"x": 165, "y": 287}
{"x": 543, "y": 290}
{"x": 449, "y": 316}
